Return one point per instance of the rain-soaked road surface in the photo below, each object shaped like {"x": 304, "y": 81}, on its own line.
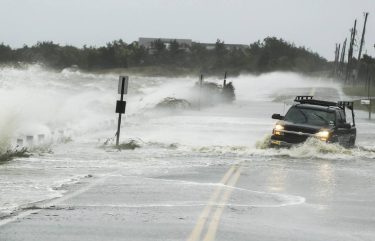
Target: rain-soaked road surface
{"x": 257, "y": 199}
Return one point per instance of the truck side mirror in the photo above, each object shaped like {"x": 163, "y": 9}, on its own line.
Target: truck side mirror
{"x": 277, "y": 117}
{"x": 344, "y": 126}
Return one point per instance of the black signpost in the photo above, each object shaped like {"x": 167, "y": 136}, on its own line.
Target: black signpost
{"x": 225, "y": 79}
{"x": 121, "y": 104}
{"x": 369, "y": 98}
{"x": 200, "y": 91}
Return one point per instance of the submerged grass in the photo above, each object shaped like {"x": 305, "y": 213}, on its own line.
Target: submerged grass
{"x": 361, "y": 93}
{"x": 357, "y": 90}
{"x": 10, "y": 154}
{"x": 130, "y": 145}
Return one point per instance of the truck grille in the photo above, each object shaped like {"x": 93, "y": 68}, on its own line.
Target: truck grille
{"x": 294, "y": 138}
{"x": 300, "y": 129}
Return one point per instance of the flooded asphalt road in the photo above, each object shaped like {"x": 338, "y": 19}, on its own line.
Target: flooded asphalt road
{"x": 275, "y": 198}
{"x": 206, "y": 177}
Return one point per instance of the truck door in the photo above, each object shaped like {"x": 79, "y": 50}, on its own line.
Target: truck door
{"x": 343, "y": 134}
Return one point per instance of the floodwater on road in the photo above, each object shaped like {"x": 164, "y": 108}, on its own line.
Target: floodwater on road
{"x": 71, "y": 115}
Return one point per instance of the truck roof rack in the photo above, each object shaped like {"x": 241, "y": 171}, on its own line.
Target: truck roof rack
{"x": 347, "y": 104}
{"x": 303, "y": 97}
{"x": 307, "y": 99}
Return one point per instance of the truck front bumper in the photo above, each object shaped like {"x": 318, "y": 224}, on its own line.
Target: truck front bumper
{"x": 280, "y": 144}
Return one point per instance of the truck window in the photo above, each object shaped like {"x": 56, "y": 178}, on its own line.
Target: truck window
{"x": 313, "y": 117}
{"x": 341, "y": 118}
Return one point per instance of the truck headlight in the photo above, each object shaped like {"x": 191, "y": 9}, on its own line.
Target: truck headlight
{"x": 323, "y": 135}
{"x": 278, "y": 130}
{"x": 279, "y": 127}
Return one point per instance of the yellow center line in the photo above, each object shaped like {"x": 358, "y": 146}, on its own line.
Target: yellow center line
{"x": 312, "y": 92}
{"x": 212, "y": 228}
{"x": 196, "y": 233}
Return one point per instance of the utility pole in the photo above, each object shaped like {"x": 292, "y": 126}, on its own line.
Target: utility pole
{"x": 335, "y": 63}
{"x": 337, "y": 54}
{"x": 361, "y": 45}
{"x": 342, "y": 69}
{"x": 370, "y": 80}
{"x": 121, "y": 104}
{"x": 350, "y": 52}
{"x": 363, "y": 37}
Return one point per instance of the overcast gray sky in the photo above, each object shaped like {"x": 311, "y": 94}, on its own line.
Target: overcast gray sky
{"x": 316, "y": 24}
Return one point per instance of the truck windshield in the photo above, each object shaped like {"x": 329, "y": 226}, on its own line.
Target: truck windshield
{"x": 310, "y": 117}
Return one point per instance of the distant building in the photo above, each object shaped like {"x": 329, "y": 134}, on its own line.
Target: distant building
{"x": 184, "y": 44}
{"x": 147, "y": 42}
{"x": 211, "y": 46}
{"x": 208, "y": 46}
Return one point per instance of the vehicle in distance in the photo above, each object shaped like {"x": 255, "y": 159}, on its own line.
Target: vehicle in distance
{"x": 310, "y": 118}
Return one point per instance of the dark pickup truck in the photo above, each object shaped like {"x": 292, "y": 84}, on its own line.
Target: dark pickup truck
{"x": 308, "y": 117}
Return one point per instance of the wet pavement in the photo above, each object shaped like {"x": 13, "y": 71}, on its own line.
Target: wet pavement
{"x": 274, "y": 199}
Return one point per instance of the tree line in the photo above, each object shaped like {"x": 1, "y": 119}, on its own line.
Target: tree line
{"x": 271, "y": 54}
